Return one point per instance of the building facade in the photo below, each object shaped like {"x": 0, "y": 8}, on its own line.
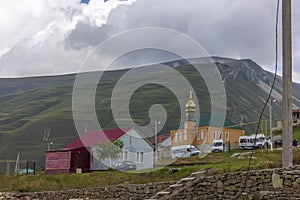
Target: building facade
{"x": 81, "y": 155}
{"x": 203, "y": 131}
{"x": 296, "y": 115}
{"x": 136, "y": 149}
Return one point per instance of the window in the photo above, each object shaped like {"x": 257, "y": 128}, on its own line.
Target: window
{"x": 221, "y": 135}
{"x": 142, "y": 157}
{"x": 227, "y": 135}
{"x": 243, "y": 140}
{"x": 139, "y": 157}
{"x": 176, "y": 137}
{"x": 215, "y": 135}
{"x": 180, "y": 135}
{"x": 125, "y": 155}
{"x": 202, "y": 134}
{"x": 198, "y": 135}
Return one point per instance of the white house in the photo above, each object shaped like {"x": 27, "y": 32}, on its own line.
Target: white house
{"x": 136, "y": 149}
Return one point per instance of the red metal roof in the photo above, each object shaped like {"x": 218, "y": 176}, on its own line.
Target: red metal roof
{"x": 94, "y": 138}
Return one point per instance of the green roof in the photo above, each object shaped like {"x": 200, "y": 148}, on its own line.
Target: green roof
{"x": 215, "y": 120}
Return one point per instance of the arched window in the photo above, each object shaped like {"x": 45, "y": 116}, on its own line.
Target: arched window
{"x": 227, "y": 136}
{"x": 202, "y": 134}
{"x": 176, "y": 137}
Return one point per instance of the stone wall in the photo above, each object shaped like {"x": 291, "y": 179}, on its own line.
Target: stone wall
{"x": 263, "y": 184}
{"x": 133, "y": 192}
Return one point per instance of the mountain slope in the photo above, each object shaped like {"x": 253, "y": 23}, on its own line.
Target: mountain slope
{"x": 28, "y": 106}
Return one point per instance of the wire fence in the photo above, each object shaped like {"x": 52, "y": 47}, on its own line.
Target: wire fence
{"x": 8, "y": 167}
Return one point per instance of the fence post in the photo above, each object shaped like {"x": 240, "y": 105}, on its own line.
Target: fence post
{"x": 33, "y": 167}
{"x": 27, "y": 166}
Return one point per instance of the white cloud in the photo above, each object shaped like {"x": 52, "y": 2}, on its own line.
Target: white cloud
{"x": 33, "y": 33}
{"x": 53, "y": 36}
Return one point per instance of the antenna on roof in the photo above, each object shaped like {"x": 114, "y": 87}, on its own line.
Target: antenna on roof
{"x": 47, "y": 133}
{"x": 85, "y": 128}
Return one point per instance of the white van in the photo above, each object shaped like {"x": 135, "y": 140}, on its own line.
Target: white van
{"x": 217, "y": 146}
{"x": 247, "y": 142}
{"x": 184, "y": 151}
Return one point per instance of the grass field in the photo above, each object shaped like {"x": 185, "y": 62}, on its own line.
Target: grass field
{"x": 224, "y": 162}
{"x": 297, "y": 133}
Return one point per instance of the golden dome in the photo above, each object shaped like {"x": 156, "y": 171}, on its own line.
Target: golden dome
{"x": 190, "y": 105}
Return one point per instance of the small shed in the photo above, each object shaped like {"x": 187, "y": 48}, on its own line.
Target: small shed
{"x": 68, "y": 160}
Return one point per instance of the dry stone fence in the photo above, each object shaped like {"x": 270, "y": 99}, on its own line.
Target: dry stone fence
{"x": 205, "y": 184}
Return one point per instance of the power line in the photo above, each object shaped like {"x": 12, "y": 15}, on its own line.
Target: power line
{"x": 268, "y": 99}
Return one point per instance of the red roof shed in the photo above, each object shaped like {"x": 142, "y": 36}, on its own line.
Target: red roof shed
{"x": 65, "y": 161}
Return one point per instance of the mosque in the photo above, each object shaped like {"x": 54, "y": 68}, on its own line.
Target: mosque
{"x": 203, "y": 131}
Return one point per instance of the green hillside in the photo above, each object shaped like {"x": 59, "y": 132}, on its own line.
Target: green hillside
{"x": 28, "y": 106}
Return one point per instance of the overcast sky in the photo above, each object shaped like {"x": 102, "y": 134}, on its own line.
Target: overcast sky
{"x": 42, "y": 37}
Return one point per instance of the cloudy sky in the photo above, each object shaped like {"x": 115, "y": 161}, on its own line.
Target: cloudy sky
{"x": 43, "y": 37}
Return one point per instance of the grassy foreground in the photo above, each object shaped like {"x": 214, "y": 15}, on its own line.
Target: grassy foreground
{"x": 224, "y": 162}
{"x": 296, "y": 134}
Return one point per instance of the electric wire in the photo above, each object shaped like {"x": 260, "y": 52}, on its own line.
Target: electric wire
{"x": 267, "y": 101}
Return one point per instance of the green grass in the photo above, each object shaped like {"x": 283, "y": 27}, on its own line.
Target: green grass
{"x": 224, "y": 162}
{"x": 296, "y": 134}
{"x": 42, "y": 182}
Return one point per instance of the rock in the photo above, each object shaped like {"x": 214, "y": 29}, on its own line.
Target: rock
{"x": 2, "y": 197}
{"x": 25, "y": 197}
{"x": 147, "y": 190}
{"x": 219, "y": 184}
{"x": 276, "y": 181}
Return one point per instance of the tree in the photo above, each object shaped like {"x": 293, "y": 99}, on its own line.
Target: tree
{"x": 109, "y": 149}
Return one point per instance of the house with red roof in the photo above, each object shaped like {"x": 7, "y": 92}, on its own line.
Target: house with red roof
{"x": 81, "y": 156}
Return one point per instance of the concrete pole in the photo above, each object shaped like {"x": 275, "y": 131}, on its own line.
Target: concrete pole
{"x": 271, "y": 134}
{"x": 287, "y": 131}
{"x": 156, "y": 146}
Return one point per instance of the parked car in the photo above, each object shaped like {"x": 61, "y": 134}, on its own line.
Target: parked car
{"x": 124, "y": 165}
{"x": 217, "y": 146}
{"x": 252, "y": 141}
{"x": 184, "y": 151}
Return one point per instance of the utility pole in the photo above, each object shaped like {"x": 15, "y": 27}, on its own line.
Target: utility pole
{"x": 287, "y": 131}
{"x": 156, "y": 142}
{"x": 270, "y": 114}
